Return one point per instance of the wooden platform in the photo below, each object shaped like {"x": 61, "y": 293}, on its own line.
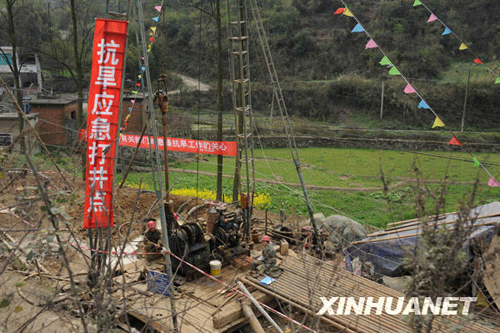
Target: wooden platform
{"x": 202, "y": 305}
{"x": 305, "y": 279}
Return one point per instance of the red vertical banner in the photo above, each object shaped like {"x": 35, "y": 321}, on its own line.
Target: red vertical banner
{"x": 108, "y": 55}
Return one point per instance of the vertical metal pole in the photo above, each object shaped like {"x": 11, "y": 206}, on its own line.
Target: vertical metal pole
{"x": 465, "y": 101}
{"x": 159, "y": 191}
{"x": 220, "y": 158}
{"x": 382, "y": 102}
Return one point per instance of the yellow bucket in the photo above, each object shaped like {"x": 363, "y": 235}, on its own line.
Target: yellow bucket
{"x": 215, "y": 267}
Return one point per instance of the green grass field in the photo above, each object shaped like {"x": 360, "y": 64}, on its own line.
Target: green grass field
{"x": 357, "y": 174}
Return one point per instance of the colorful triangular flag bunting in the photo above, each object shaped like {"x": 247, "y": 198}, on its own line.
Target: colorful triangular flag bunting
{"x": 151, "y": 39}
{"x": 497, "y": 81}
{"x": 153, "y": 29}
{"x": 339, "y": 11}
{"x": 347, "y": 12}
{"x": 409, "y": 89}
{"x": 477, "y": 61}
{"x": 132, "y": 101}
{"x": 463, "y": 47}
{"x": 437, "y": 123}
{"x": 156, "y": 18}
{"x": 423, "y": 105}
{"x": 446, "y": 31}
{"x": 130, "y": 109}
{"x": 394, "y": 71}
{"x": 476, "y": 161}
{"x": 493, "y": 182}
{"x": 454, "y": 142}
{"x": 432, "y": 18}
{"x": 417, "y": 3}
{"x": 358, "y": 28}
{"x": 143, "y": 68}
{"x": 385, "y": 61}
{"x": 371, "y": 44}
{"x": 158, "y": 8}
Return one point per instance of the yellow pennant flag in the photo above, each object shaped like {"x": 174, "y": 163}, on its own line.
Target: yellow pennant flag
{"x": 463, "y": 47}
{"x": 347, "y": 12}
{"x": 438, "y": 123}
{"x": 153, "y": 29}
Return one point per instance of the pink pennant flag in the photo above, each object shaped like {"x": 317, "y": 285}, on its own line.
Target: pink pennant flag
{"x": 432, "y": 18}
{"x": 409, "y": 89}
{"x": 493, "y": 182}
{"x": 132, "y": 101}
{"x": 371, "y": 44}
{"x": 158, "y": 8}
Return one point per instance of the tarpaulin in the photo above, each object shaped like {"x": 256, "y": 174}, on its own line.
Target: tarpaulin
{"x": 386, "y": 252}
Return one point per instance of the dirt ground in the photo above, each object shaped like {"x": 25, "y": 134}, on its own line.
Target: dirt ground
{"x": 27, "y": 229}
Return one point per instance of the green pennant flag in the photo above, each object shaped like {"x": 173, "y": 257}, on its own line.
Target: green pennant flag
{"x": 476, "y": 161}
{"x": 394, "y": 71}
{"x": 417, "y": 3}
{"x": 385, "y": 61}
{"x": 497, "y": 81}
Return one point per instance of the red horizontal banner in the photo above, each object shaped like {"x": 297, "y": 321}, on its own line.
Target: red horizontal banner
{"x": 227, "y": 148}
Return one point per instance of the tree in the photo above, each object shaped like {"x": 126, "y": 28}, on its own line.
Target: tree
{"x": 9, "y": 17}
{"x": 78, "y": 78}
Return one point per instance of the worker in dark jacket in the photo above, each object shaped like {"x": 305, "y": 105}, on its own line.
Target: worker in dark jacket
{"x": 152, "y": 237}
{"x": 266, "y": 264}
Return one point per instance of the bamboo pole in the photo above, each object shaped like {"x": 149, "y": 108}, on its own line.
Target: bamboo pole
{"x": 415, "y": 226}
{"x": 257, "y": 305}
{"x": 298, "y": 306}
{"x": 254, "y": 322}
{"x": 415, "y": 234}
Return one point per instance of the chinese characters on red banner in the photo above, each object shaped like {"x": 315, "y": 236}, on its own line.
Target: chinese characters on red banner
{"x": 102, "y": 120}
{"x": 227, "y": 148}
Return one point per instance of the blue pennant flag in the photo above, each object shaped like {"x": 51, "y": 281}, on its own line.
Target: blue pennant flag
{"x": 446, "y": 31}
{"x": 358, "y": 28}
{"x": 143, "y": 68}
{"x": 156, "y": 18}
{"x": 423, "y": 105}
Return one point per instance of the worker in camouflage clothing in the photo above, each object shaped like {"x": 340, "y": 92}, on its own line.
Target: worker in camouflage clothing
{"x": 152, "y": 238}
{"x": 266, "y": 264}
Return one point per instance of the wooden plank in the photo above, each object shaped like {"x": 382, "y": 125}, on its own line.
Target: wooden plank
{"x": 306, "y": 279}
{"x": 232, "y": 311}
{"x": 491, "y": 276}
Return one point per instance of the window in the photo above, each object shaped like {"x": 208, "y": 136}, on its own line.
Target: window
{"x": 73, "y": 115}
{"x": 3, "y": 60}
{"x": 5, "y": 139}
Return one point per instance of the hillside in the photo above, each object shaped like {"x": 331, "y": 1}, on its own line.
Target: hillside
{"x": 328, "y": 74}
